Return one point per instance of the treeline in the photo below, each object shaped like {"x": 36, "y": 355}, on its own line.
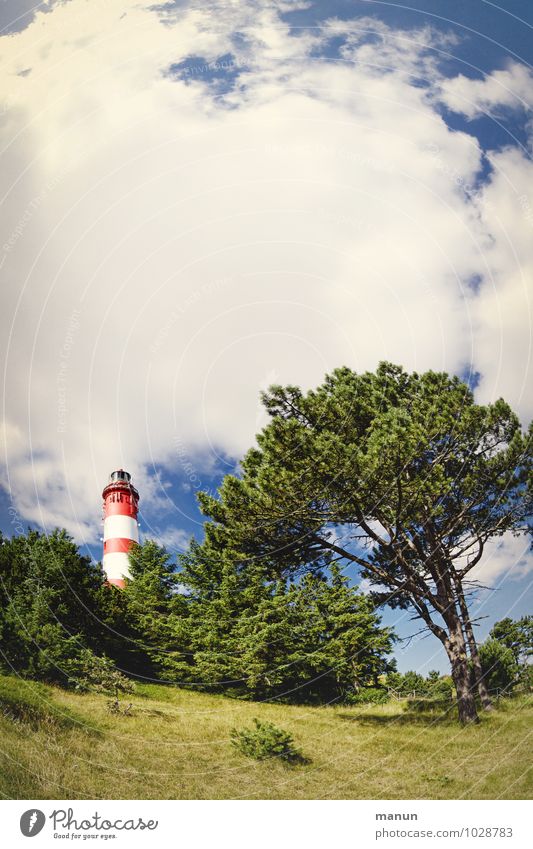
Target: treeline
{"x": 213, "y": 626}
{"x": 227, "y": 629}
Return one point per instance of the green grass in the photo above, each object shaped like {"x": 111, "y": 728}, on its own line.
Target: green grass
{"x": 176, "y": 745}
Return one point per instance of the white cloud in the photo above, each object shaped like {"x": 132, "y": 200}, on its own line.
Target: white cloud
{"x": 166, "y": 249}
{"x": 503, "y": 311}
{"x": 414, "y": 53}
{"x": 505, "y": 558}
{"x": 173, "y": 539}
{"x": 507, "y": 88}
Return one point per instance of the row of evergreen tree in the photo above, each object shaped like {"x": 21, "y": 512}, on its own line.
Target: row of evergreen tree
{"x": 225, "y": 630}
{"x": 214, "y": 626}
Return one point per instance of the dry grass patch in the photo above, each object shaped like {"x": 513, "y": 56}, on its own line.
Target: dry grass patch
{"x": 177, "y": 745}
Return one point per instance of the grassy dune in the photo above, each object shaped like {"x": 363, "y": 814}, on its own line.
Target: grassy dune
{"x": 175, "y": 745}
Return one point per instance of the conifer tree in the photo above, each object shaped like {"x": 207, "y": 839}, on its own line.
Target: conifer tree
{"x": 156, "y": 611}
{"x": 403, "y": 475}
{"x": 306, "y": 639}
{"x": 51, "y": 604}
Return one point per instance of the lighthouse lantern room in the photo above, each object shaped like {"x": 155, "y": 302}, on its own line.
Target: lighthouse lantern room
{"x": 121, "y": 531}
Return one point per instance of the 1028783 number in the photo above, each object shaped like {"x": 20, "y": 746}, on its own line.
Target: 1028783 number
{"x": 488, "y": 831}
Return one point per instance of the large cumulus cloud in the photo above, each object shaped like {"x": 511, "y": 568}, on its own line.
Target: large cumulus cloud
{"x": 198, "y": 203}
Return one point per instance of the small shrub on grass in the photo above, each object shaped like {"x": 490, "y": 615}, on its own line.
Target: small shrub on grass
{"x": 98, "y": 674}
{"x": 369, "y": 695}
{"x": 266, "y": 740}
{"x": 113, "y": 706}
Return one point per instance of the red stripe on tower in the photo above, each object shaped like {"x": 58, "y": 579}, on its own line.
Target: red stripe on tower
{"x": 116, "y": 544}
{"x": 120, "y": 526}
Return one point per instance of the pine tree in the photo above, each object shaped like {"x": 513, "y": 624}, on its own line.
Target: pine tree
{"x": 51, "y": 604}
{"x": 156, "y": 612}
{"x": 416, "y": 475}
{"x": 310, "y": 639}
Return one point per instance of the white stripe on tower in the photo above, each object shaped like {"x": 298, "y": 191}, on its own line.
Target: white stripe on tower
{"x": 120, "y": 526}
{"x": 116, "y": 567}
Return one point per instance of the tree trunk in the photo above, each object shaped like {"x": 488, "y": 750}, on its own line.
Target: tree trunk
{"x": 472, "y": 646}
{"x": 456, "y": 648}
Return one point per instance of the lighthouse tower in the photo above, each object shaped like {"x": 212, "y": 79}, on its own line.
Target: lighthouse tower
{"x": 120, "y": 525}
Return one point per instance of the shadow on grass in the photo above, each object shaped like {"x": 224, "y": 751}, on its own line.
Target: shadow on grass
{"x": 297, "y": 759}
{"x": 29, "y": 704}
{"x": 161, "y": 714}
{"x": 407, "y": 718}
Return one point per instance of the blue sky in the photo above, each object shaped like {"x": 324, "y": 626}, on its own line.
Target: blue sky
{"x": 202, "y": 201}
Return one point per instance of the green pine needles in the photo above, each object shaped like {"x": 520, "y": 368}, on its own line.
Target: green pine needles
{"x": 266, "y": 740}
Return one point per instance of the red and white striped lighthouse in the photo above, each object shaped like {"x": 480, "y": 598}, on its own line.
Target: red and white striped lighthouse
{"x": 120, "y": 525}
